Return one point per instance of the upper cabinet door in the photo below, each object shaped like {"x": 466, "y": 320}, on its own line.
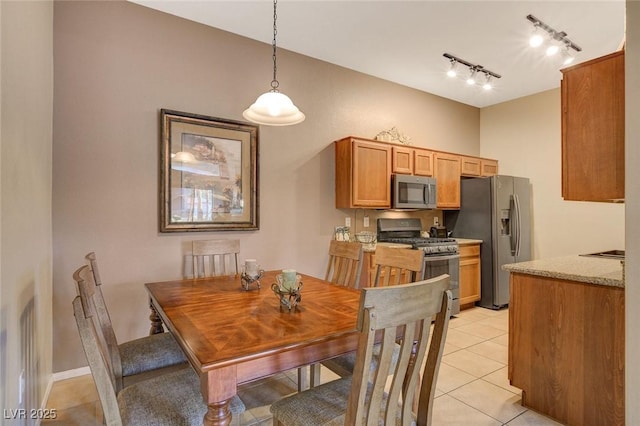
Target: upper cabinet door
{"x": 447, "y": 173}
{"x": 593, "y": 130}
{"x": 422, "y": 162}
{"x": 371, "y": 174}
{"x": 402, "y": 160}
{"x": 488, "y": 167}
{"x": 363, "y": 174}
{"x": 470, "y": 166}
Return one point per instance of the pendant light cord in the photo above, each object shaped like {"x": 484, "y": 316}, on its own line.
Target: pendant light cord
{"x": 274, "y": 82}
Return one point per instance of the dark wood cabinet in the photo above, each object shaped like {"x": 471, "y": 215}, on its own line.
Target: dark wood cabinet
{"x": 593, "y": 130}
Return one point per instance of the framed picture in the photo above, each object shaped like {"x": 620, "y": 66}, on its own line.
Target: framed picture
{"x": 208, "y": 173}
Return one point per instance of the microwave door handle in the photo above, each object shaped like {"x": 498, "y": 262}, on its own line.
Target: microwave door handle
{"x": 426, "y": 194}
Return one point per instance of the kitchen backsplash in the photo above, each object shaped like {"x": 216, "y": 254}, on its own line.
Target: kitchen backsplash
{"x": 358, "y": 218}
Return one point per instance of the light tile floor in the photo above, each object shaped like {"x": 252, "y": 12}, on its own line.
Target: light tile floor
{"x": 472, "y": 387}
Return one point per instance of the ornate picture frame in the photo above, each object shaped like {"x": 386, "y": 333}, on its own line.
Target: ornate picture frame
{"x": 208, "y": 173}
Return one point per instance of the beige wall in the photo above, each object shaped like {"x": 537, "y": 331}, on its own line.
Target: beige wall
{"x": 632, "y": 198}
{"x": 25, "y": 199}
{"x": 116, "y": 65}
{"x": 524, "y": 135}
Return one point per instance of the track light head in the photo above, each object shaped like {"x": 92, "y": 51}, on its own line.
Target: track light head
{"x": 452, "y": 69}
{"x": 471, "y": 80}
{"x": 487, "y": 83}
{"x": 536, "y": 39}
{"x": 567, "y": 56}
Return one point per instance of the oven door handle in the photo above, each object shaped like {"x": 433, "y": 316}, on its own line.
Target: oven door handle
{"x": 432, "y": 258}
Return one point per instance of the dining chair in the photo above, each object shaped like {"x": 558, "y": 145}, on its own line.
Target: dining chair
{"x": 345, "y": 263}
{"x": 397, "y": 266}
{"x": 138, "y": 358}
{"x": 170, "y": 399}
{"x": 356, "y": 400}
{"x": 394, "y": 266}
{"x": 215, "y": 257}
{"x": 344, "y": 268}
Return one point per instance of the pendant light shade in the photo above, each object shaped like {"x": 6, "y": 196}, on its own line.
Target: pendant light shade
{"x": 274, "y": 108}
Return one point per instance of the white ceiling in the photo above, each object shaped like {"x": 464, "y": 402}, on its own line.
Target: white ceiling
{"x": 403, "y": 41}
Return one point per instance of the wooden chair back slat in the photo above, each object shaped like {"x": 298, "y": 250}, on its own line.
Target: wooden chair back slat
{"x": 345, "y": 263}
{"x": 103, "y": 318}
{"x": 397, "y": 266}
{"x": 94, "y": 344}
{"x": 411, "y": 308}
{"x": 215, "y": 257}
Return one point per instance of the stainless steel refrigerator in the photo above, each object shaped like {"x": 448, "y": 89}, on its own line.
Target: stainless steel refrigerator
{"x": 496, "y": 210}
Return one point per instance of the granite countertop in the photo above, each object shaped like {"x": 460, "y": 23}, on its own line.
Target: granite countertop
{"x": 467, "y": 241}
{"x": 589, "y": 270}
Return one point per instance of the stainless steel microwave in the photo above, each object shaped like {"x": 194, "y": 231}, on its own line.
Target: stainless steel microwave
{"x": 413, "y": 192}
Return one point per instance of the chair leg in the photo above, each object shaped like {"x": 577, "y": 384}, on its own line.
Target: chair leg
{"x": 302, "y": 379}
{"x": 314, "y": 375}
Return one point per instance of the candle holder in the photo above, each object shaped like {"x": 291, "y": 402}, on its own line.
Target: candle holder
{"x": 247, "y": 280}
{"x": 288, "y": 292}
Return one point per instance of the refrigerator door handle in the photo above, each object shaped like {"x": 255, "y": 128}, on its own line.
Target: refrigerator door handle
{"x": 512, "y": 224}
{"x": 518, "y": 223}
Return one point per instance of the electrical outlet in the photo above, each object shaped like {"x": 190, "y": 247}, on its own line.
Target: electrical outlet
{"x": 347, "y": 221}
{"x": 436, "y": 221}
{"x": 366, "y": 221}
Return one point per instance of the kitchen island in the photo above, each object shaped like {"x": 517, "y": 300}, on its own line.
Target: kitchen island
{"x": 566, "y": 338}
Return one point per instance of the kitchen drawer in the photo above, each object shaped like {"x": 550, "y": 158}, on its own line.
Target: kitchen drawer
{"x": 469, "y": 250}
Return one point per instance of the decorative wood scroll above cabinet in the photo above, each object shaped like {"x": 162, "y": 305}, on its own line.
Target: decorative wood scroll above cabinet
{"x": 593, "y": 130}
{"x": 364, "y": 168}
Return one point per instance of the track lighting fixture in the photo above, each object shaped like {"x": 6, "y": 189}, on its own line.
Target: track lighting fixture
{"x": 476, "y": 72}
{"x": 556, "y": 40}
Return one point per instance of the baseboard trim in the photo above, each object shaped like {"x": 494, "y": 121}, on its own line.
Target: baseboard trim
{"x": 69, "y": 374}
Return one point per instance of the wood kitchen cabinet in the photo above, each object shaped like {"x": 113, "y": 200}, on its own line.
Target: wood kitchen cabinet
{"x": 593, "y": 130}
{"x": 412, "y": 161}
{"x": 402, "y": 160}
{"x": 567, "y": 349}
{"x": 422, "y": 162}
{"x": 363, "y": 174}
{"x": 476, "y": 167}
{"x": 447, "y": 170}
{"x": 364, "y": 168}
{"x": 469, "y": 274}
{"x": 470, "y": 166}
{"x": 488, "y": 167}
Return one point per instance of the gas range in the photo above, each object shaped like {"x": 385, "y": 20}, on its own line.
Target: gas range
{"x": 440, "y": 254}
{"x": 407, "y": 231}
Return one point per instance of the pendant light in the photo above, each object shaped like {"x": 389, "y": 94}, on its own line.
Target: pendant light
{"x": 274, "y": 108}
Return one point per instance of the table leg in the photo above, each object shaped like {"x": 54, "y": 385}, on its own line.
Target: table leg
{"x": 218, "y": 414}
{"x": 218, "y": 388}
{"x": 156, "y": 322}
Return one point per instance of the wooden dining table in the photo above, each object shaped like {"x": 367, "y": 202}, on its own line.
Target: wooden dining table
{"x": 233, "y": 336}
